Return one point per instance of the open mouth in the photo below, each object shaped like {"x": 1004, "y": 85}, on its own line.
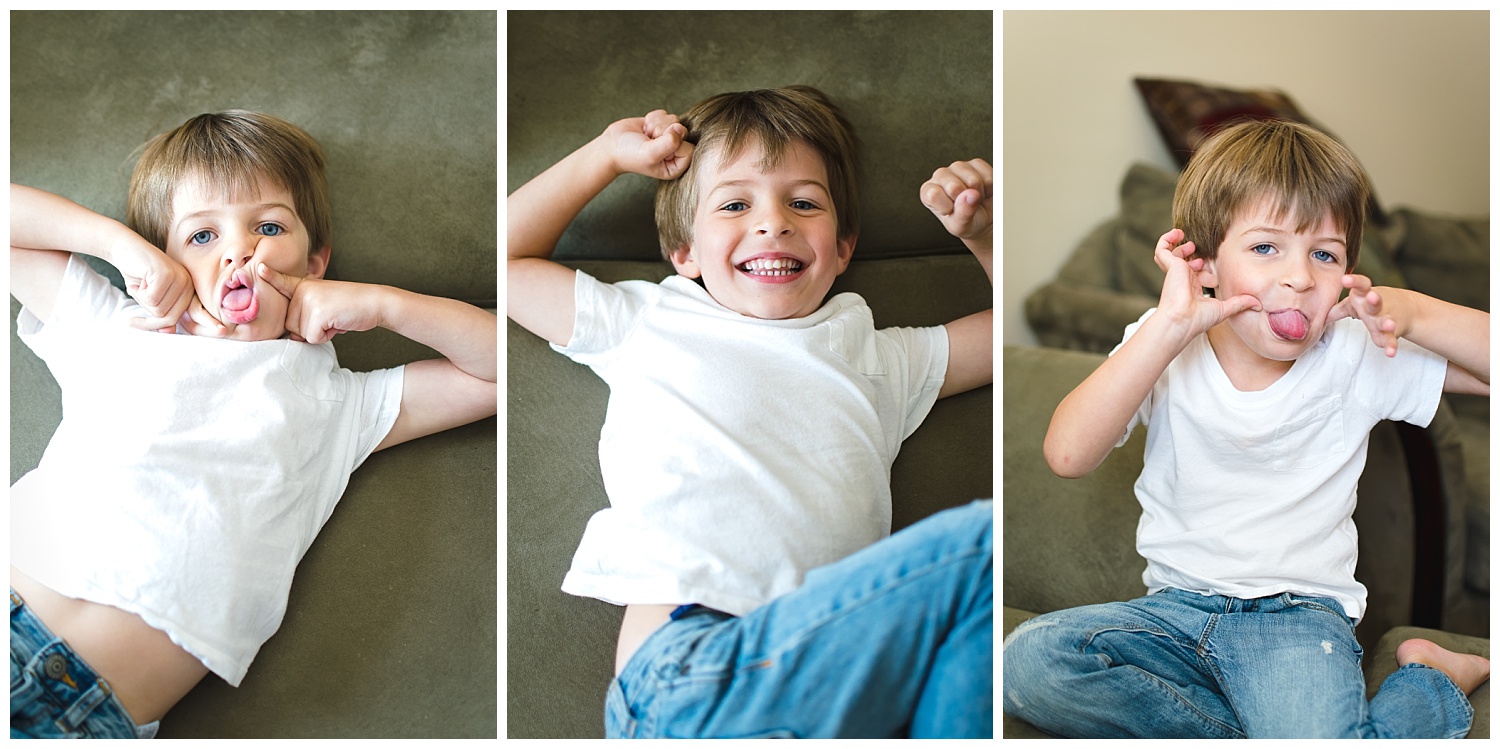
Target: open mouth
{"x": 1288, "y": 324}
{"x": 237, "y": 300}
{"x": 780, "y": 267}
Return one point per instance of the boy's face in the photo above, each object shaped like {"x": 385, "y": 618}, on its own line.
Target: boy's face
{"x": 765, "y": 242}
{"x": 1297, "y": 276}
{"x": 220, "y": 238}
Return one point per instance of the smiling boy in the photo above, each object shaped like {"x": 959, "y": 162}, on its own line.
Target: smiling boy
{"x": 751, "y": 427}
{"x": 191, "y": 471}
{"x": 1259, "y": 401}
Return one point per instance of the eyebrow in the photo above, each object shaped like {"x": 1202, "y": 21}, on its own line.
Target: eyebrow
{"x": 1279, "y": 232}
{"x": 214, "y": 211}
{"x": 745, "y": 182}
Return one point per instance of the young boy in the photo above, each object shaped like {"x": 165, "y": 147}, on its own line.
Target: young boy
{"x": 750, "y": 432}
{"x": 191, "y": 471}
{"x": 1260, "y": 400}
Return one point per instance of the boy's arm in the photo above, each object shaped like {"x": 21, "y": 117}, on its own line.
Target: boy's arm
{"x": 437, "y": 394}
{"x": 539, "y": 292}
{"x": 46, "y": 228}
{"x": 1090, "y": 421}
{"x": 1459, "y": 334}
{"x": 961, "y": 195}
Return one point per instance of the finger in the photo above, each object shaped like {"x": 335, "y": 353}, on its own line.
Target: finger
{"x": 198, "y": 321}
{"x": 964, "y": 208}
{"x": 154, "y": 324}
{"x": 936, "y": 198}
{"x": 284, "y": 284}
{"x": 1242, "y": 303}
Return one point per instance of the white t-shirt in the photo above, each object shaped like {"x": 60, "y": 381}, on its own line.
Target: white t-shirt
{"x": 188, "y": 475}
{"x": 1251, "y": 494}
{"x": 740, "y": 453}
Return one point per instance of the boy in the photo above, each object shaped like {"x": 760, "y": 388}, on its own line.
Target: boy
{"x": 750, "y": 432}
{"x": 1260, "y": 399}
{"x": 214, "y": 455}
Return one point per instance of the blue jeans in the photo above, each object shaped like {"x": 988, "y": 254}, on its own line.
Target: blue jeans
{"x": 897, "y": 639}
{"x": 53, "y": 693}
{"x": 1177, "y": 664}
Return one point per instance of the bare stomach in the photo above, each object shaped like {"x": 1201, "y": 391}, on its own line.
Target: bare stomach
{"x": 641, "y": 619}
{"x": 145, "y": 669}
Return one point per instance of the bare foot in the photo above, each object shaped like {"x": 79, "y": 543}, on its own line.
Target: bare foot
{"x": 1467, "y": 671}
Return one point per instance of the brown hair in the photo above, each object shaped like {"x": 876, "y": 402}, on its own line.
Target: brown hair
{"x": 231, "y": 150}
{"x": 1304, "y": 172}
{"x": 726, "y": 123}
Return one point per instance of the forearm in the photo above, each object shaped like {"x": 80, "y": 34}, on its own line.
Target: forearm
{"x": 1457, "y": 333}
{"x": 42, "y": 221}
{"x": 540, "y": 211}
{"x": 1092, "y": 419}
{"x": 982, "y": 248}
{"x": 465, "y": 334}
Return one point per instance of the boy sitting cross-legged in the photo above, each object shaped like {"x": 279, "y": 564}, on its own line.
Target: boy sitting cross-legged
{"x": 1259, "y": 401}
{"x": 156, "y": 540}
{"x": 750, "y": 432}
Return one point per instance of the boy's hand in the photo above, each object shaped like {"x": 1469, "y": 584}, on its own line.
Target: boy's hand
{"x": 199, "y": 321}
{"x": 961, "y": 195}
{"x": 653, "y": 145}
{"x": 318, "y": 310}
{"x": 1182, "y": 298}
{"x": 1382, "y": 315}
{"x": 160, "y": 284}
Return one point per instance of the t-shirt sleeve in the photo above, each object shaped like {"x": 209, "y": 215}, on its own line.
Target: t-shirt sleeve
{"x": 379, "y": 405}
{"x": 604, "y": 315}
{"x": 1406, "y": 387}
{"x": 83, "y": 297}
{"x": 920, "y": 356}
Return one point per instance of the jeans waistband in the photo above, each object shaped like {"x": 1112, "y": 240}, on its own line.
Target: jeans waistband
{"x": 61, "y": 682}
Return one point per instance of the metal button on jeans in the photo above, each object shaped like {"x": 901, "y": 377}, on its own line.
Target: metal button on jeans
{"x": 56, "y": 666}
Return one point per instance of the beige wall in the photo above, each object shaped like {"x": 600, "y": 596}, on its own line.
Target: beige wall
{"x": 1407, "y": 91}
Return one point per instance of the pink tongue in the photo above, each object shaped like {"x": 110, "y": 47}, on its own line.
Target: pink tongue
{"x": 239, "y": 299}
{"x": 1288, "y": 324}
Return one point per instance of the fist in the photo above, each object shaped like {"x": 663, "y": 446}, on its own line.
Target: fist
{"x": 961, "y": 195}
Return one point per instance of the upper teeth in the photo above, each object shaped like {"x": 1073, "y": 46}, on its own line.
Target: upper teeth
{"x": 774, "y": 267}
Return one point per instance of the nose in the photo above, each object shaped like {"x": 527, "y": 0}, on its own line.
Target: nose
{"x": 773, "y": 220}
{"x": 237, "y": 250}
{"x": 1297, "y": 276}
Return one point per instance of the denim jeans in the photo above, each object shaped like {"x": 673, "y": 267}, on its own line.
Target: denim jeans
{"x": 895, "y": 640}
{"x": 53, "y": 693}
{"x": 1177, "y": 664}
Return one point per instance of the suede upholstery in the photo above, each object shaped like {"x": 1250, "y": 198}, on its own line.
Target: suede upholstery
{"x": 1072, "y": 542}
{"x": 917, "y": 87}
{"x": 391, "y": 626}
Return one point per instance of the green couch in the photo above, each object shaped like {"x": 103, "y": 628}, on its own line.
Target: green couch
{"x": 391, "y": 627}
{"x": 917, "y": 87}
{"x": 1072, "y": 542}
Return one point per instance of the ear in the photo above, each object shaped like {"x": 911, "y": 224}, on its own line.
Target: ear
{"x": 683, "y": 261}
{"x": 1208, "y": 278}
{"x": 317, "y": 263}
{"x": 846, "y": 251}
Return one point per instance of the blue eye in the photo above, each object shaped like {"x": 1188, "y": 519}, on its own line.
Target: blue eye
{"x": 202, "y": 237}
{"x": 1263, "y": 249}
{"x": 271, "y": 230}
{"x": 1325, "y": 256}
{"x": 738, "y": 205}
{"x": 804, "y": 205}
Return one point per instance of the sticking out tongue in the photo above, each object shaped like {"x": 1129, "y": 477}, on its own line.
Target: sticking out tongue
{"x": 239, "y": 305}
{"x": 1288, "y": 324}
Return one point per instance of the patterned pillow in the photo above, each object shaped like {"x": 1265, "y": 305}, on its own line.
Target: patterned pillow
{"x": 1187, "y": 113}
